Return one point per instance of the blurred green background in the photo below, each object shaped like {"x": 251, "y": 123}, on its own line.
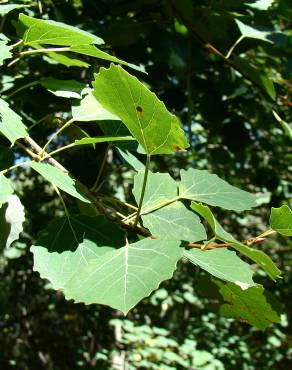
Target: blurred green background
{"x": 233, "y": 133}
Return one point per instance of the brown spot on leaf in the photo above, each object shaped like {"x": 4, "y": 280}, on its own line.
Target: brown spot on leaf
{"x": 139, "y": 109}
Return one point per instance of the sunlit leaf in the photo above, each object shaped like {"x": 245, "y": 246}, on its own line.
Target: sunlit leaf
{"x": 103, "y": 139}
{"x": 260, "y": 4}
{"x": 5, "y": 52}
{"x": 154, "y": 127}
{"x": 63, "y": 88}
{"x": 6, "y": 8}
{"x": 222, "y": 263}
{"x": 258, "y": 257}
{"x": 6, "y": 189}
{"x": 254, "y": 32}
{"x": 47, "y": 32}
{"x": 174, "y": 221}
{"x": 122, "y": 277}
{"x": 11, "y": 124}
{"x": 201, "y": 186}
{"x": 11, "y": 221}
{"x": 281, "y": 220}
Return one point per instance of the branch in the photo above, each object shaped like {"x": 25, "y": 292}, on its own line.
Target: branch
{"x": 107, "y": 212}
{"x": 248, "y": 242}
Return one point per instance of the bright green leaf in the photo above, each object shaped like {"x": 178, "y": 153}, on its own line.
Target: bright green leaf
{"x": 44, "y": 32}
{"x": 260, "y": 4}
{"x": 11, "y": 221}
{"x": 61, "y": 179}
{"x": 253, "y": 305}
{"x": 281, "y": 220}
{"x": 63, "y": 88}
{"x": 257, "y": 256}
{"x": 202, "y": 186}
{"x": 175, "y": 221}
{"x": 253, "y": 32}
{"x": 122, "y": 277}
{"x": 5, "y": 52}
{"x": 6, "y": 189}
{"x": 68, "y": 61}
{"x": 89, "y": 109}
{"x": 154, "y": 127}
{"x": 286, "y": 127}
{"x": 222, "y": 263}
{"x": 67, "y": 245}
{"x": 11, "y": 125}
{"x": 103, "y": 139}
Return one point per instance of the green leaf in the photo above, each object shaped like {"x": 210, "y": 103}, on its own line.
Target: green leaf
{"x": 204, "y": 187}
{"x": 94, "y": 52}
{"x": 253, "y": 305}
{"x": 5, "y": 52}
{"x": 68, "y": 244}
{"x": 64, "y": 59}
{"x": 257, "y": 256}
{"x": 154, "y": 127}
{"x": 6, "y": 189}
{"x": 175, "y": 221}
{"x": 103, "y": 139}
{"x": 223, "y": 264}
{"x": 254, "y": 32}
{"x": 281, "y": 220}
{"x": 63, "y": 88}
{"x": 6, "y": 8}
{"x": 261, "y": 4}
{"x": 44, "y": 32}
{"x": 131, "y": 160}
{"x": 286, "y": 127}
{"x": 61, "y": 179}
{"x": 89, "y": 109}
{"x": 122, "y": 277}
{"x": 256, "y": 75}
{"x": 11, "y": 221}
{"x": 11, "y": 125}
{"x": 161, "y": 189}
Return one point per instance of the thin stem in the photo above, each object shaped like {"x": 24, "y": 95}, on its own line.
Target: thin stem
{"x": 66, "y": 211}
{"x": 16, "y": 44}
{"x": 27, "y": 150}
{"x": 39, "y": 121}
{"x": 58, "y": 151}
{"x": 15, "y": 166}
{"x": 143, "y": 190}
{"x": 67, "y": 124}
{"x": 101, "y": 168}
{"x": 234, "y": 46}
{"x": 35, "y": 51}
{"x": 22, "y": 88}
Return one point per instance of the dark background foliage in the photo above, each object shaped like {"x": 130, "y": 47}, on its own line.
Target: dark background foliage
{"x": 228, "y": 120}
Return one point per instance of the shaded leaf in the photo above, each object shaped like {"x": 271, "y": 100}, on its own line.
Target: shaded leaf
{"x": 253, "y": 305}
{"x": 89, "y": 109}
{"x": 286, "y": 127}
{"x": 131, "y": 160}
{"x": 156, "y": 129}
{"x": 11, "y": 221}
{"x": 256, "y": 75}
{"x": 222, "y": 263}
{"x": 122, "y": 277}
{"x": 175, "y": 221}
{"x": 68, "y": 244}
{"x": 201, "y": 186}
{"x": 281, "y": 220}
{"x": 161, "y": 189}
{"x": 61, "y": 179}
{"x": 11, "y": 125}
{"x": 44, "y": 32}
{"x": 258, "y": 257}
{"x": 63, "y": 88}
{"x": 94, "y": 52}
